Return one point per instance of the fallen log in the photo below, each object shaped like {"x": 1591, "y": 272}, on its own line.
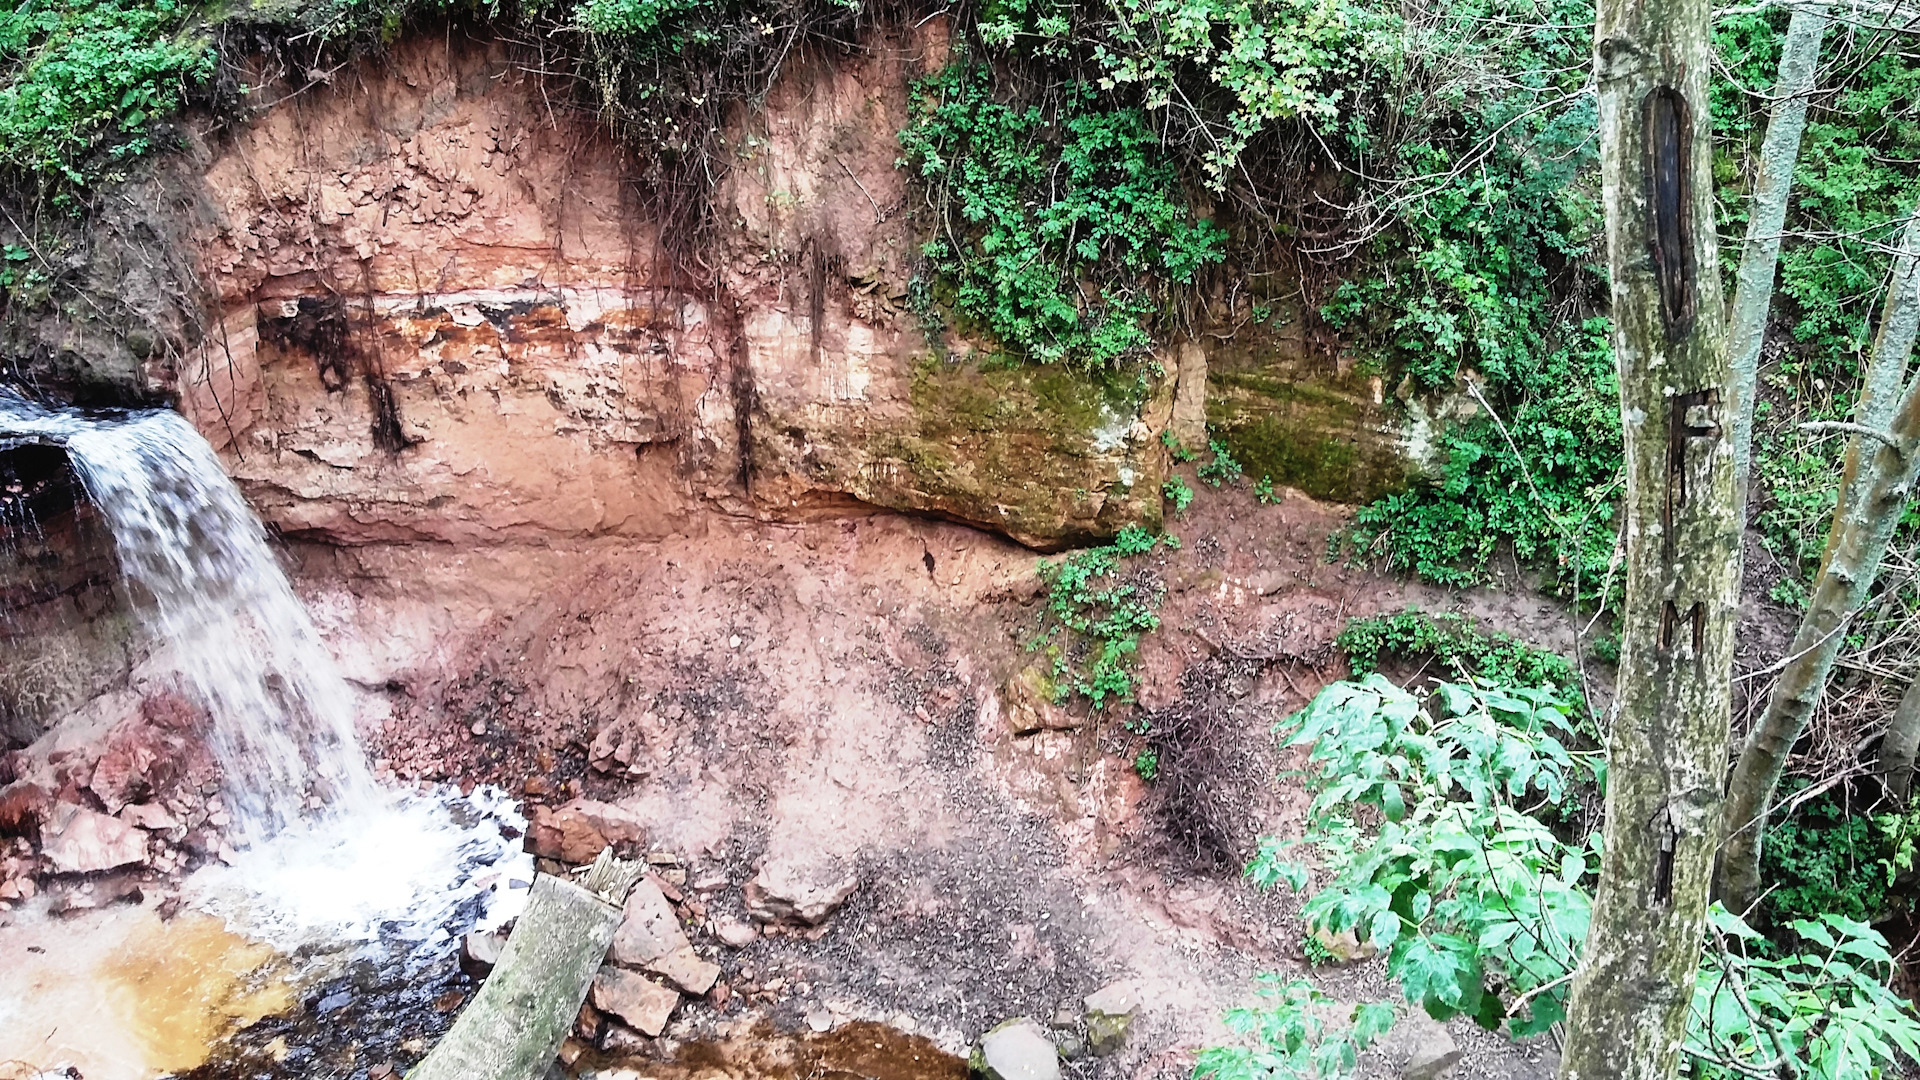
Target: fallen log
{"x": 513, "y": 1028}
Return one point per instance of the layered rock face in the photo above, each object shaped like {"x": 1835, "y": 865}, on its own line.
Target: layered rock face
{"x": 444, "y": 316}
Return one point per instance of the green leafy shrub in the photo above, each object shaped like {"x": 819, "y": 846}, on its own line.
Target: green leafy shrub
{"x": 1146, "y": 764}
{"x": 1054, "y": 225}
{"x": 1825, "y": 859}
{"x": 1478, "y": 906}
{"x": 1095, "y": 615}
{"x": 83, "y": 81}
{"x": 1291, "y": 1039}
{"x": 1545, "y": 487}
{"x": 1482, "y": 909}
{"x": 1459, "y": 646}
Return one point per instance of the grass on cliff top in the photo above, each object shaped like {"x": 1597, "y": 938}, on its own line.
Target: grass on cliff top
{"x": 82, "y": 83}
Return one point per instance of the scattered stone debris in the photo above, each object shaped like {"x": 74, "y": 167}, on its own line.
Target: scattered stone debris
{"x": 636, "y": 999}
{"x": 650, "y": 939}
{"x": 787, "y": 893}
{"x": 1109, "y": 1014}
{"x": 1017, "y": 1049}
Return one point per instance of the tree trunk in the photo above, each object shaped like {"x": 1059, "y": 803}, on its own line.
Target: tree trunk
{"x": 1753, "y": 296}
{"x": 1897, "y": 749}
{"x": 514, "y": 1025}
{"x": 1874, "y": 488}
{"x": 1667, "y": 748}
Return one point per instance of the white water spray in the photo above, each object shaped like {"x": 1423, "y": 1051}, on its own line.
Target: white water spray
{"x": 326, "y": 854}
{"x": 205, "y": 584}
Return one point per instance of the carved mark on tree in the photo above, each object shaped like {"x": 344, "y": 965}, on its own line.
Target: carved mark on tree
{"x": 1669, "y": 138}
{"x": 1693, "y": 417}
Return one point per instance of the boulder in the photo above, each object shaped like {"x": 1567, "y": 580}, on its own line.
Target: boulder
{"x": 784, "y": 892}
{"x": 650, "y": 938}
{"x": 636, "y": 999}
{"x": 1017, "y": 1049}
{"x": 1109, "y": 1014}
{"x": 1422, "y": 1047}
{"x": 80, "y": 841}
{"x": 565, "y": 835}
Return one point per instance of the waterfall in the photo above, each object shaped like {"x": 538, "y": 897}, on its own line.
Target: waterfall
{"x": 205, "y": 586}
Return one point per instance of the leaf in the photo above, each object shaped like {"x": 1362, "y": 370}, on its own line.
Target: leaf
{"x": 1370, "y": 1021}
{"x": 1392, "y": 802}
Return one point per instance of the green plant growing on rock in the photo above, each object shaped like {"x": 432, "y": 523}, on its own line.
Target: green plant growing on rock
{"x": 1458, "y": 645}
{"x": 1221, "y": 468}
{"x": 1176, "y": 491}
{"x": 1096, "y": 612}
{"x": 1052, "y": 222}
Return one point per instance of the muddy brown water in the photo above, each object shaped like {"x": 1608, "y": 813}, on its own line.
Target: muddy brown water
{"x": 125, "y": 995}
{"x": 860, "y": 1050}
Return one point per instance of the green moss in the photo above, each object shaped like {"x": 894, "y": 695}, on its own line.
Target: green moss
{"x": 1300, "y": 457}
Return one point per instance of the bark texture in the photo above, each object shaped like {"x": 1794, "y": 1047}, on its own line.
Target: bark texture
{"x": 1760, "y": 257}
{"x": 1874, "y": 488}
{"x": 1898, "y": 748}
{"x": 1667, "y": 745}
{"x": 514, "y": 1026}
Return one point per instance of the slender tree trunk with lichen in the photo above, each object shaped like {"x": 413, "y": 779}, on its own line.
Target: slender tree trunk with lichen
{"x": 1760, "y": 256}
{"x": 1898, "y": 748}
{"x": 1667, "y": 748}
{"x": 1875, "y": 484}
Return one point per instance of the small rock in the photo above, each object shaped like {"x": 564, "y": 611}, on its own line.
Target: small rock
{"x": 480, "y": 951}
{"x": 636, "y": 999}
{"x": 79, "y": 841}
{"x": 785, "y": 893}
{"x": 1345, "y": 947}
{"x": 565, "y": 835}
{"x": 735, "y": 935}
{"x": 1017, "y": 1050}
{"x": 819, "y": 1019}
{"x": 382, "y": 1071}
{"x": 1109, "y": 1014}
{"x": 149, "y": 816}
{"x": 650, "y": 938}
{"x": 624, "y": 1041}
{"x": 537, "y": 787}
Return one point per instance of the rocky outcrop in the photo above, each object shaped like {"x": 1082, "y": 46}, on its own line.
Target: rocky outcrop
{"x": 443, "y": 315}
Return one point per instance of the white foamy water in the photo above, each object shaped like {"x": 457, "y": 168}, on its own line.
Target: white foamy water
{"x": 324, "y": 852}
{"x": 205, "y": 582}
{"x": 397, "y": 867}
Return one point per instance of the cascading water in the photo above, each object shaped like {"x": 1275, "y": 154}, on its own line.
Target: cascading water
{"x": 207, "y": 587}
{"x": 326, "y": 855}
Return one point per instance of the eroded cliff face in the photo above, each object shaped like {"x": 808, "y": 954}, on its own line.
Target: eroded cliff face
{"x": 443, "y": 315}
